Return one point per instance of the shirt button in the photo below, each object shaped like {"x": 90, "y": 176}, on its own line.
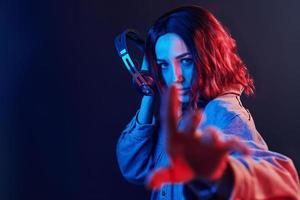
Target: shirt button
{"x": 163, "y": 193}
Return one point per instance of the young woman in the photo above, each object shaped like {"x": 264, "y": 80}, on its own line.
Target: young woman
{"x": 205, "y": 144}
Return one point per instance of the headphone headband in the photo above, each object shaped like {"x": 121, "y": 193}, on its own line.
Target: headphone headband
{"x": 144, "y": 85}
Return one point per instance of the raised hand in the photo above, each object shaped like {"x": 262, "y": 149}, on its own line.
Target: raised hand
{"x": 193, "y": 153}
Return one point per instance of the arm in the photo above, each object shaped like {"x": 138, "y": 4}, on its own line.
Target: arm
{"x": 232, "y": 162}
{"x": 135, "y": 145}
{"x": 263, "y": 175}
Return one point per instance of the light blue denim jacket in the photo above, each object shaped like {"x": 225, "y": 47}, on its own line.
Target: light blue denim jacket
{"x": 140, "y": 149}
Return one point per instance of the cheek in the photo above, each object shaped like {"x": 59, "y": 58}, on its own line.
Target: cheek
{"x": 189, "y": 74}
{"x": 167, "y": 76}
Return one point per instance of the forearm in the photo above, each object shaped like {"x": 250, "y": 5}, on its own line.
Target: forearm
{"x": 273, "y": 177}
{"x": 134, "y": 150}
{"x": 145, "y": 114}
{"x": 135, "y": 158}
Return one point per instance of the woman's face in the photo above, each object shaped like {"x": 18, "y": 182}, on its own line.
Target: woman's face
{"x": 176, "y": 63}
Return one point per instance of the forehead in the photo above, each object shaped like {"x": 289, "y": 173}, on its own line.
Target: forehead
{"x": 170, "y": 45}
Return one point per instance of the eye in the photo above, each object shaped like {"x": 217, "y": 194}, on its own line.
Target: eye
{"x": 163, "y": 65}
{"x": 187, "y": 61}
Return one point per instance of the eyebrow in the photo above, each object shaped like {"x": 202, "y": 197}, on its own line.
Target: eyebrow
{"x": 177, "y": 57}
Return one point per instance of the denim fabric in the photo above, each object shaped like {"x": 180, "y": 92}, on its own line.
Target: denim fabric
{"x": 263, "y": 175}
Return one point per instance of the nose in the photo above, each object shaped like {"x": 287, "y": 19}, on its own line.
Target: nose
{"x": 178, "y": 76}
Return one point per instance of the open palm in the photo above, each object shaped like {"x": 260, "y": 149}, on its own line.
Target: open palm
{"x": 193, "y": 153}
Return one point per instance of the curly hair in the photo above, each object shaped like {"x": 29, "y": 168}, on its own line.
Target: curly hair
{"x": 217, "y": 65}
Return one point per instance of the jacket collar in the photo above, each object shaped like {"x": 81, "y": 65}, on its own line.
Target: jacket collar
{"x": 236, "y": 90}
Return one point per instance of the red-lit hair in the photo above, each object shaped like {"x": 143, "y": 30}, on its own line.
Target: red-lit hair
{"x": 217, "y": 64}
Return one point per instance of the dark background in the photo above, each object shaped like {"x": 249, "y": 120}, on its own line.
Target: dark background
{"x": 65, "y": 96}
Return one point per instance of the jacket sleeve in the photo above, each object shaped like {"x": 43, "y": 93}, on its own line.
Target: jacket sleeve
{"x": 263, "y": 175}
{"x": 135, "y": 150}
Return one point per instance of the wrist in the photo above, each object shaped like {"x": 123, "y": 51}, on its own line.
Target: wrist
{"x": 145, "y": 114}
{"x": 225, "y": 184}
{"x": 212, "y": 189}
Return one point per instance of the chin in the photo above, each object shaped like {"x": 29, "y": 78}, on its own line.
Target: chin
{"x": 184, "y": 99}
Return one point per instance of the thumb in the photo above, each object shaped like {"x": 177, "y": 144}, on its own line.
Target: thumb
{"x": 157, "y": 178}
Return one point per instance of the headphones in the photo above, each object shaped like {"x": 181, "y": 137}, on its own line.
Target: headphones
{"x": 142, "y": 80}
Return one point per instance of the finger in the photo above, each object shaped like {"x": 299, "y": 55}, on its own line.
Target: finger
{"x": 210, "y": 136}
{"x": 174, "y": 108}
{"x": 170, "y": 111}
{"x": 213, "y": 136}
{"x": 158, "y": 178}
{"x": 181, "y": 171}
{"x": 236, "y": 145}
{"x": 178, "y": 172}
{"x": 192, "y": 122}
